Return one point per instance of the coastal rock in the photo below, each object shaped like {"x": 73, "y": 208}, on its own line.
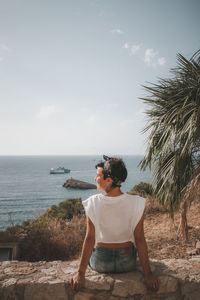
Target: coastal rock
{"x": 78, "y": 184}
{"x": 180, "y": 279}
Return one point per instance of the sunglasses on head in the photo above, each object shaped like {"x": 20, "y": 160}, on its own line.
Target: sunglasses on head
{"x": 106, "y": 158}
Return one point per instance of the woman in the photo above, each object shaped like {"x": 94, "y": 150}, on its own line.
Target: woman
{"x": 114, "y": 228}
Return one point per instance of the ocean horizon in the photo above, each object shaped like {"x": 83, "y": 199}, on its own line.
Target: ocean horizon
{"x": 27, "y": 189}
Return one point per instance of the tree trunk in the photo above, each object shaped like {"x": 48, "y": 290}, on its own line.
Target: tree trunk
{"x": 183, "y": 220}
{"x": 189, "y": 194}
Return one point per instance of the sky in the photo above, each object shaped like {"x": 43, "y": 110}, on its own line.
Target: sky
{"x": 72, "y": 71}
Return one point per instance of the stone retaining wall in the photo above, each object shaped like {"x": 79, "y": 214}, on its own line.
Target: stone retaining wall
{"x": 180, "y": 280}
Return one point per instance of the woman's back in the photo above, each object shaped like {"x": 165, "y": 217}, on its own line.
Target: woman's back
{"x": 114, "y": 218}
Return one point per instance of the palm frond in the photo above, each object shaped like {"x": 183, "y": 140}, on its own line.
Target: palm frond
{"x": 173, "y": 123}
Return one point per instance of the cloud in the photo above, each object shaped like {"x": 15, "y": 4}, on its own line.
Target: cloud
{"x": 117, "y": 31}
{"x": 85, "y": 110}
{"x": 138, "y": 117}
{"x": 126, "y": 46}
{"x": 45, "y": 112}
{"x": 4, "y": 47}
{"x": 148, "y": 55}
{"x": 101, "y": 14}
{"x": 112, "y": 105}
{"x": 161, "y": 61}
{"x": 135, "y": 48}
{"x": 126, "y": 123}
{"x": 92, "y": 118}
{"x": 150, "y": 58}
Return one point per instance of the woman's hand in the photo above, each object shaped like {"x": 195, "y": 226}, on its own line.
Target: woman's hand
{"x": 77, "y": 282}
{"x": 153, "y": 283}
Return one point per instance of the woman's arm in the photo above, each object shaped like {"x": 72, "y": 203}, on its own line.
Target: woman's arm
{"x": 78, "y": 281}
{"x": 141, "y": 245}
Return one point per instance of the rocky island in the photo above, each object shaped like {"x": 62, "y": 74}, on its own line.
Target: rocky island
{"x": 78, "y": 184}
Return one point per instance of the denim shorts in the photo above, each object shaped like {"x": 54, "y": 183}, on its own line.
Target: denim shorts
{"x": 104, "y": 260}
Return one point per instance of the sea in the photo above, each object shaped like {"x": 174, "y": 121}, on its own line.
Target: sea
{"x": 27, "y": 188}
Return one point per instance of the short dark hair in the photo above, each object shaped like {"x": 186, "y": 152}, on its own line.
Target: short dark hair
{"x": 114, "y": 168}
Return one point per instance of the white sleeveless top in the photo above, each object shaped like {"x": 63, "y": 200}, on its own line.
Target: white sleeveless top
{"x": 114, "y": 218}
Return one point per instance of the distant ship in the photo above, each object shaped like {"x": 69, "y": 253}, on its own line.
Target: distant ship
{"x": 59, "y": 170}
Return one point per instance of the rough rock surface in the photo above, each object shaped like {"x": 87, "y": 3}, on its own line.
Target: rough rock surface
{"x": 180, "y": 280}
{"x": 78, "y": 184}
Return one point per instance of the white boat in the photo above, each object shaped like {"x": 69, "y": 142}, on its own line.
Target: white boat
{"x": 59, "y": 170}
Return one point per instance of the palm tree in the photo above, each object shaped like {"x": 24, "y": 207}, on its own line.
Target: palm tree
{"x": 173, "y": 146}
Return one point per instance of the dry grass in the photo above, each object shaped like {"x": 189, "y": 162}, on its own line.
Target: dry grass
{"x": 57, "y": 234}
{"x": 153, "y": 206}
{"x": 60, "y": 240}
{"x": 161, "y": 233}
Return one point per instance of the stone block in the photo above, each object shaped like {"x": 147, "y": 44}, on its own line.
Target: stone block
{"x": 8, "y": 270}
{"x": 120, "y": 289}
{"x": 168, "y": 284}
{"x": 69, "y": 270}
{"x": 115, "y": 298}
{"x": 6, "y": 263}
{"x": 46, "y": 291}
{"x": 55, "y": 262}
{"x": 128, "y": 287}
{"x": 50, "y": 271}
{"x": 103, "y": 295}
{"x": 45, "y": 279}
{"x": 84, "y": 296}
{"x": 12, "y": 293}
{"x": 74, "y": 263}
{"x": 139, "y": 267}
{"x": 173, "y": 297}
{"x": 180, "y": 279}
{"x": 198, "y": 244}
{"x": 23, "y": 281}
{"x": 98, "y": 282}
{"x": 197, "y": 258}
{"x": 192, "y": 296}
{"x": 191, "y": 290}
{"x": 155, "y": 296}
{"x": 55, "y": 281}
{"x": 129, "y": 276}
{"x": 9, "y": 282}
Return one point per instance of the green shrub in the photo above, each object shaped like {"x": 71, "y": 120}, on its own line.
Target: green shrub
{"x": 66, "y": 209}
{"x": 142, "y": 189}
